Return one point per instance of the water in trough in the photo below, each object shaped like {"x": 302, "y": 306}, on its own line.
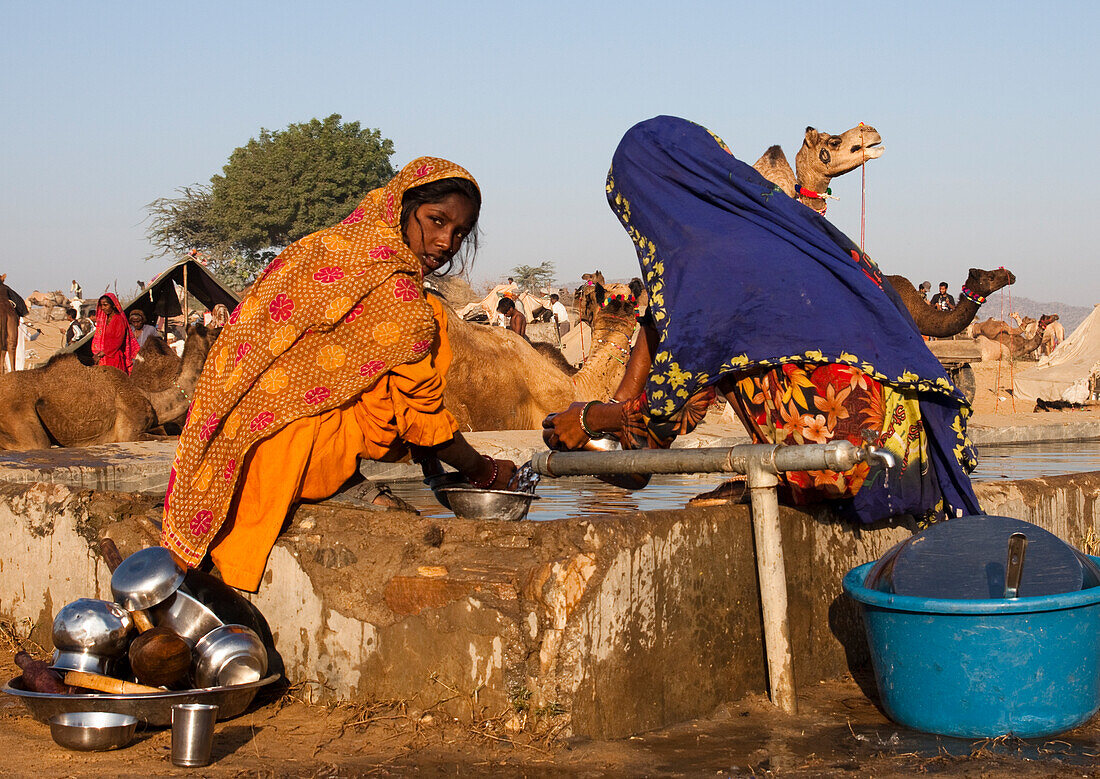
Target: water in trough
{"x": 576, "y": 497}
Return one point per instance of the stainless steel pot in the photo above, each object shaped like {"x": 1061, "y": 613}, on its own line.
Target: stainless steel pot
{"x": 186, "y": 616}
{"x": 88, "y": 633}
{"x": 146, "y": 578}
{"x": 231, "y": 654}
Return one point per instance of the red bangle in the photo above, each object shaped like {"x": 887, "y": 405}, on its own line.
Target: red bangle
{"x": 494, "y": 471}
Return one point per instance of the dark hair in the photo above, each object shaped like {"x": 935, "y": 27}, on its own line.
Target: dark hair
{"x": 70, "y": 312}
{"x": 943, "y": 283}
{"x": 434, "y": 192}
{"x": 554, "y": 296}
{"x": 505, "y": 305}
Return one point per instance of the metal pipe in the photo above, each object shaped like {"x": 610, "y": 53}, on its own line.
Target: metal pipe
{"x": 771, "y": 575}
{"x": 833, "y": 456}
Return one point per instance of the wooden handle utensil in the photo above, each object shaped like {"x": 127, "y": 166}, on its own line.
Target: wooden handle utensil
{"x": 158, "y": 656}
{"x": 101, "y": 683}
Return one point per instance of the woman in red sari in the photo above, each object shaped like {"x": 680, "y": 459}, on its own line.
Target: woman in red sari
{"x": 113, "y": 343}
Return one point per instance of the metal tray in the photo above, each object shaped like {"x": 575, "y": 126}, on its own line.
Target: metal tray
{"x": 152, "y": 709}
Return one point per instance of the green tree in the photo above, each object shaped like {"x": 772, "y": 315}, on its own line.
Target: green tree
{"x": 275, "y": 189}
{"x": 534, "y": 277}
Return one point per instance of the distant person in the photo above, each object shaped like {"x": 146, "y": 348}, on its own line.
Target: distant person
{"x": 560, "y": 314}
{"x": 925, "y": 288}
{"x": 114, "y": 343}
{"x": 73, "y": 332}
{"x": 942, "y": 300}
{"x": 142, "y": 331}
{"x": 78, "y": 292}
{"x": 218, "y": 316}
{"x": 517, "y": 322}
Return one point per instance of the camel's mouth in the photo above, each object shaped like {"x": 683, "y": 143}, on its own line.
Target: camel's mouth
{"x": 871, "y": 151}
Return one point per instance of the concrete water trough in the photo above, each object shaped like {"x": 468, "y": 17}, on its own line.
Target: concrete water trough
{"x": 610, "y": 624}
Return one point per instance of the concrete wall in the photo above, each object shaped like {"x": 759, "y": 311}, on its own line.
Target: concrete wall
{"x": 609, "y": 625}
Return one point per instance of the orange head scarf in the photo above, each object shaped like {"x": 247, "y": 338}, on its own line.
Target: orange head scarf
{"x": 332, "y": 313}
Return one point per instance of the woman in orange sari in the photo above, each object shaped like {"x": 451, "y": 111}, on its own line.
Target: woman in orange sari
{"x": 335, "y": 354}
{"x": 114, "y": 343}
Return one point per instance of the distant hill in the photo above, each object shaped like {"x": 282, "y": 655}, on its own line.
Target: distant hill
{"x": 1069, "y": 316}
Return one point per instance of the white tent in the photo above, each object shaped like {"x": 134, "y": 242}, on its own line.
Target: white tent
{"x": 1065, "y": 374}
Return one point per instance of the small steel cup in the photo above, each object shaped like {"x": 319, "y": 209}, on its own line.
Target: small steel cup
{"x": 192, "y": 733}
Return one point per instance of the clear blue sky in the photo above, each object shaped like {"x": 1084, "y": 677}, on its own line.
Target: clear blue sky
{"x": 988, "y": 112}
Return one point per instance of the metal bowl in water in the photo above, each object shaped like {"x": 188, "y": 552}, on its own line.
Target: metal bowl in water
{"x": 229, "y": 655}
{"x": 186, "y": 616}
{"x": 93, "y": 731}
{"x": 146, "y": 578}
{"x": 87, "y": 633}
{"x": 472, "y": 503}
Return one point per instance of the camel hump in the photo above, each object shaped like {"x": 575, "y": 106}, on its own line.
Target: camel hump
{"x": 773, "y": 166}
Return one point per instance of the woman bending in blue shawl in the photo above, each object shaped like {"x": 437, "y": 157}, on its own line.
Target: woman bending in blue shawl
{"x": 754, "y": 295}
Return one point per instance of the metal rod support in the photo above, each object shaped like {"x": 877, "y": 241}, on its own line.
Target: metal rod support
{"x": 761, "y": 463}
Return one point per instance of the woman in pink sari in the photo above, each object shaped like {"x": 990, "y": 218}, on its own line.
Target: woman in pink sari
{"x": 113, "y": 343}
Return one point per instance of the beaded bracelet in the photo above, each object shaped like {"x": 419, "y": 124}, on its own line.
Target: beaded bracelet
{"x": 974, "y": 297}
{"x": 584, "y": 425}
{"x": 481, "y": 485}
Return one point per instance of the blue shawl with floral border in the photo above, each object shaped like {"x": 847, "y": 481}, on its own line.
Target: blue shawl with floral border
{"x": 741, "y": 276}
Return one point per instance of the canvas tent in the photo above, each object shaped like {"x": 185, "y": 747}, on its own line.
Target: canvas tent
{"x": 1068, "y": 372}
{"x": 185, "y": 279}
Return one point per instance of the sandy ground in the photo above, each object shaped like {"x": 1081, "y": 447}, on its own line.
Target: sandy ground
{"x": 839, "y": 731}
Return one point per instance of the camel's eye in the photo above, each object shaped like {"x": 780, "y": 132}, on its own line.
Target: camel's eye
{"x": 834, "y": 142}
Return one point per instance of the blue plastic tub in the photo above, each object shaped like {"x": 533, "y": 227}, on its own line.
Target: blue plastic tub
{"x": 984, "y": 668}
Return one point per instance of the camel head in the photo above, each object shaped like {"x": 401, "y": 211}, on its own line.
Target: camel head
{"x": 824, "y": 156}
{"x": 986, "y": 282}
{"x": 585, "y": 296}
{"x": 1046, "y": 319}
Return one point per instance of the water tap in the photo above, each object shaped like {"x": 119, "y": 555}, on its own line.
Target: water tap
{"x": 874, "y": 453}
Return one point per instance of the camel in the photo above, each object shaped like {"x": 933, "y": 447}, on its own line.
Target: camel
{"x": 822, "y": 158}
{"x": 498, "y": 381}
{"x": 944, "y": 324}
{"x": 9, "y": 324}
{"x": 70, "y": 404}
{"x": 1053, "y": 336}
{"x": 48, "y": 301}
{"x": 1014, "y": 347}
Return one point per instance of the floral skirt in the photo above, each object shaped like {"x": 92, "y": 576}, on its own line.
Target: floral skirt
{"x": 806, "y": 403}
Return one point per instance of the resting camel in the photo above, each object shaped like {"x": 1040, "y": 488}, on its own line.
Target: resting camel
{"x": 70, "y": 404}
{"x": 498, "y": 381}
{"x": 1012, "y": 346}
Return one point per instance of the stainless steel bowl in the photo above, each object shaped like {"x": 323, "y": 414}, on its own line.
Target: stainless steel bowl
{"x": 88, "y": 662}
{"x": 146, "y": 578}
{"x": 88, "y": 632}
{"x": 93, "y": 731}
{"x": 603, "y": 445}
{"x": 229, "y": 655}
{"x": 153, "y": 709}
{"x": 472, "y": 503}
{"x": 186, "y": 616}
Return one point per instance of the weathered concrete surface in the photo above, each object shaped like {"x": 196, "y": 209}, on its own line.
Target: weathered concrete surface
{"x": 621, "y": 623}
